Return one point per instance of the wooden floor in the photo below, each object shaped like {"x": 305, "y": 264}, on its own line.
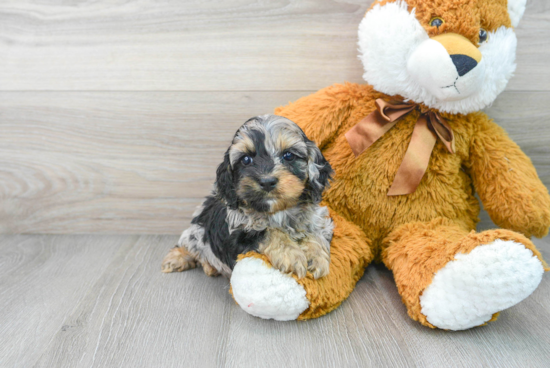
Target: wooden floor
{"x": 101, "y": 301}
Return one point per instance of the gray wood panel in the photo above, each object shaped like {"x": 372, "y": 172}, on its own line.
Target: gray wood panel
{"x": 131, "y": 315}
{"x": 42, "y": 279}
{"x": 140, "y": 162}
{"x": 197, "y": 45}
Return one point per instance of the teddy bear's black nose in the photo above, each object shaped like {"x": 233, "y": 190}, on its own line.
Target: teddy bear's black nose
{"x": 463, "y": 63}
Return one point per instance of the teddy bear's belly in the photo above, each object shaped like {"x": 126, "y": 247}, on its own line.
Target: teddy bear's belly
{"x": 360, "y": 186}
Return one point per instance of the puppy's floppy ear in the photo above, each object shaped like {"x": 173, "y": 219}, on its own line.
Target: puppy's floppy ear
{"x": 225, "y": 182}
{"x": 319, "y": 172}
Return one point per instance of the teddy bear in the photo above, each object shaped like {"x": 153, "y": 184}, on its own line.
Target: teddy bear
{"x": 410, "y": 149}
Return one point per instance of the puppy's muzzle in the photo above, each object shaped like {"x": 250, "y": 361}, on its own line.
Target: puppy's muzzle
{"x": 268, "y": 183}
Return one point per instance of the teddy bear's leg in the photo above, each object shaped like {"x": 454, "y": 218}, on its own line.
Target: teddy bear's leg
{"x": 263, "y": 291}
{"x": 453, "y": 278}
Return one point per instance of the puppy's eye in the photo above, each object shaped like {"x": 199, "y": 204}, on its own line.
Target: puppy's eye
{"x": 436, "y": 22}
{"x": 289, "y": 156}
{"x": 246, "y": 160}
{"x": 483, "y": 35}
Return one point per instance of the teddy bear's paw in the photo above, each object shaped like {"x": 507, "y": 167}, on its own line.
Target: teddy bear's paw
{"x": 265, "y": 292}
{"x": 470, "y": 289}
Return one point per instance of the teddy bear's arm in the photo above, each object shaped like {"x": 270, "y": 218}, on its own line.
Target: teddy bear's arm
{"x": 507, "y": 181}
{"x": 321, "y": 113}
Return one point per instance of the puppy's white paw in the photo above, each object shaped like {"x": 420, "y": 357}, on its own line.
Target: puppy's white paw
{"x": 265, "y": 292}
{"x": 491, "y": 278}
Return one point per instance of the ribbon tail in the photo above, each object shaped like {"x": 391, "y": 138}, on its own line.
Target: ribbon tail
{"x": 376, "y": 124}
{"x": 367, "y": 131}
{"x": 443, "y": 131}
{"x": 414, "y": 165}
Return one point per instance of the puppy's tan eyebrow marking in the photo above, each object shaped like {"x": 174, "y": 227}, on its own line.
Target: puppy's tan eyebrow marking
{"x": 289, "y": 142}
{"x": 282, "y": 137}
{"x": 242, "y": 144}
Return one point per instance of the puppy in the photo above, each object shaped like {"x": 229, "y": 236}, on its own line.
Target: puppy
{"x": 265, "y": 199}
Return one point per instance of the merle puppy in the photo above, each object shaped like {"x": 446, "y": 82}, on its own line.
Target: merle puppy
{"x": 265, "y": 199}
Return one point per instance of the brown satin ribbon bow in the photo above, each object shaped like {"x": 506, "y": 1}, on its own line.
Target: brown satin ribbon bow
{"x": 429, "y": 126}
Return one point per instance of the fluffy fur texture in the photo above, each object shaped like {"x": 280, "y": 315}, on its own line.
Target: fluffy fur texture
{"x": 266, "y": 198}
{"x": 419, "y": 234}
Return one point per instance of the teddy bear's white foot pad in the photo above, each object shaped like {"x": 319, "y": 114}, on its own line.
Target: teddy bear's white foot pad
{"x": 470, "y": 289}
{"x": 264, "y": 292}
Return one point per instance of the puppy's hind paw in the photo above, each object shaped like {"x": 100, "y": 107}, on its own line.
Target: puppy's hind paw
{"x": 178, "y": 260}
{"x": 209, "y": 270}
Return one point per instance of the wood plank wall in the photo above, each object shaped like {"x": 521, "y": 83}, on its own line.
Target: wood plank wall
{"x": 114, "y": 114}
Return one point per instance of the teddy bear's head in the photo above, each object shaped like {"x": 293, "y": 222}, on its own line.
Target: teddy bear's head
{"x": 455, "y": 56}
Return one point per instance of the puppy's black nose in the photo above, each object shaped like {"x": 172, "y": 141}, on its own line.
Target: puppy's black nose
{"x": 463, "y": 63}
{"x": 269, "y": 183}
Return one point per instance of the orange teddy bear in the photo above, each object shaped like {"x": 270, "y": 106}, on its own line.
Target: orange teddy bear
{"x": 409, "y": 150}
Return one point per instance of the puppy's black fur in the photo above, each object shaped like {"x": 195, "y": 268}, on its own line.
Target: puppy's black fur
{"x": 226, "y": 183}
{"x": 226, "y": 246}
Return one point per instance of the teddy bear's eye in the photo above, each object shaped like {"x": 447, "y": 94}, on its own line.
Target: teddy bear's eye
{"x": 483, "y": 35}
{"x": 436, "y": 22}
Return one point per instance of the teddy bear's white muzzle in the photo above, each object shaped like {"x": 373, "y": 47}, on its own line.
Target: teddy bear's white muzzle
{"x": 446, "y": 77}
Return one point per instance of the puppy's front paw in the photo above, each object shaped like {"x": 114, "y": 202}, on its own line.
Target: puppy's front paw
{"x": 178, "y": 260}
{"x": 319, "y": 265}
{"x": 318, "y": 256}
{"x": 289, "y": 260}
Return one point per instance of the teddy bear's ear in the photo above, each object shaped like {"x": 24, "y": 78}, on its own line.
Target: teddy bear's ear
{"x": 516, "y": 8}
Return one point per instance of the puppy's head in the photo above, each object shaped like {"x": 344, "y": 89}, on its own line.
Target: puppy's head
{"x": 270, "y": 166}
